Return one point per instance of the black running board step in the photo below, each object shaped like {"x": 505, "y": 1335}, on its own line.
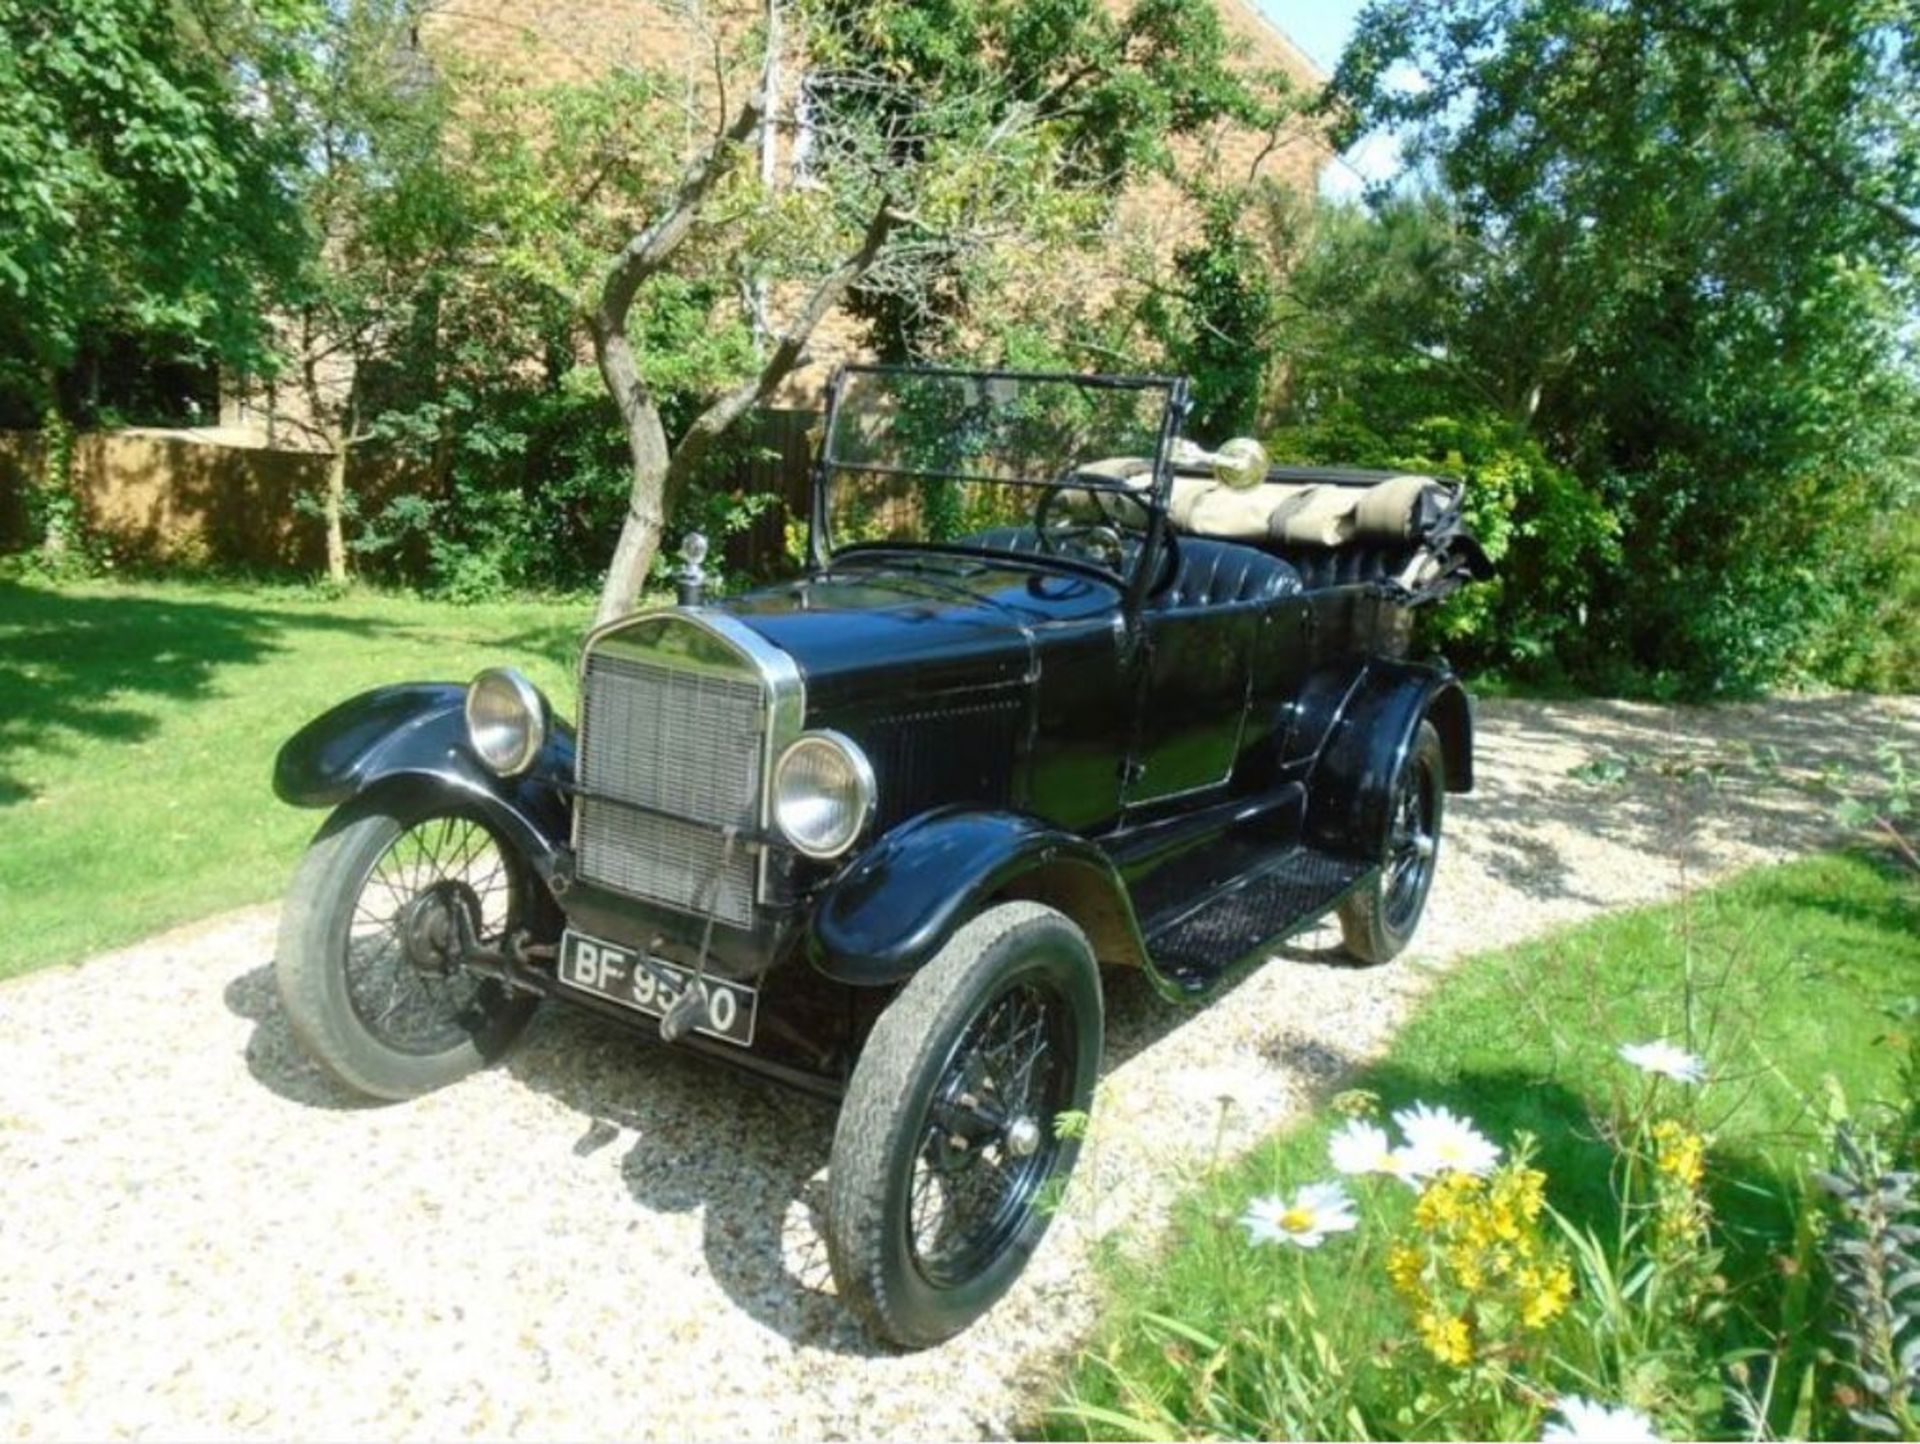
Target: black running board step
{"x": 1200, "y": 945}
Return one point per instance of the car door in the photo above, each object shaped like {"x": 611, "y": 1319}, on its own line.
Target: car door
{"x": 1191, "y": 698}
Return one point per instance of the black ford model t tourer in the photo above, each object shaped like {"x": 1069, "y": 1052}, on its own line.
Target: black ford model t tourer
{"x": 1058, "y": 689}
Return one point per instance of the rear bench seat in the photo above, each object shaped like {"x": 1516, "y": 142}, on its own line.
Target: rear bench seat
{"x": 1332, "y": 535}
{"x": 1308, "y": 535}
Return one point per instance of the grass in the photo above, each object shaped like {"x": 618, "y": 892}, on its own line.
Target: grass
{"x": 138, "y": 725}
{"x": 1797, "y": 975}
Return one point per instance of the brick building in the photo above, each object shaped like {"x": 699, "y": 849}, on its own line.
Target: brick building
{"x": 569, "y": 40}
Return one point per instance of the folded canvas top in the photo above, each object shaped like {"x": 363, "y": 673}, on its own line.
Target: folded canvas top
{"x": 1322, "y": 515}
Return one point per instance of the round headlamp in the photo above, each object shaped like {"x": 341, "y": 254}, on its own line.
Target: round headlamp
{"x": 506, "y": 720}
{"x": 823, "y": 793}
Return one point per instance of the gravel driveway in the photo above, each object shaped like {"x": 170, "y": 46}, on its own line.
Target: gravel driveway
{"x": 202, "y": 1238}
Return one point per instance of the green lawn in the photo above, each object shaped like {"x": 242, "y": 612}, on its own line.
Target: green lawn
{"x": 1804, "y": 981}
{"x": 138, "y": 725}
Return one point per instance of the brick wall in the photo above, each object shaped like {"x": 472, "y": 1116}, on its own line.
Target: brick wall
{"x": 563, "y": 40}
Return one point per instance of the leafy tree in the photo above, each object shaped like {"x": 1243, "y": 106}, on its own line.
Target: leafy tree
{"x": 140, "y": 184}
{"x": 936, "y": 134}
{"x": 1370, "y": 310}
{"x": 1678, "y": 251}
{"x": 1216, "y": 320}
{"x": 376, "y": 329}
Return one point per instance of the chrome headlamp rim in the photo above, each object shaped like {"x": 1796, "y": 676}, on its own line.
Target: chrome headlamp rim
{"x": 533, "y": 709}
{"x": 866, "y": 785}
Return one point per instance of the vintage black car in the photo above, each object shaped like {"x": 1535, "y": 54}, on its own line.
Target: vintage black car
{"x": 1057, "y": 690}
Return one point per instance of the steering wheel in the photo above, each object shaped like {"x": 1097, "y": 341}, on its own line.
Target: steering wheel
{"x": 1107, "y": 532}
{"x": 1099, "y": 537}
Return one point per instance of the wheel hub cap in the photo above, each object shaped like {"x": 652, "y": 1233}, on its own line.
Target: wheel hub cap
{"x": 426, "y": 925}
{"x": 1023, "y": 1136}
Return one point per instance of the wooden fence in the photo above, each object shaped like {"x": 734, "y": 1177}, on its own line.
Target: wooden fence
{"x": 187, "y": 498}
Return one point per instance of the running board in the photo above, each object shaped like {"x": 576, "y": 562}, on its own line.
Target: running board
{"x": 1201, "y": 946}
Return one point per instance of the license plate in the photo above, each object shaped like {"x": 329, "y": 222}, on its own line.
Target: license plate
{"x": 652, "y": 985}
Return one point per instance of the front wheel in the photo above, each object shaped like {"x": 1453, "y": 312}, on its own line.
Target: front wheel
{"x": 368, "y": 956}
{"x": 948, "y": 1159}
{"x": 1379, "y": 920}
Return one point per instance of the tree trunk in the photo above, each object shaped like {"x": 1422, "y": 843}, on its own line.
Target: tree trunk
{"x": 56, "y": 476}
{"x": 646, "y": 495}
{"x": 333, "y": 508}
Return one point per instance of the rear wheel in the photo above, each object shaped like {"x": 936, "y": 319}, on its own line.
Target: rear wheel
{"x": 367, "y": 961}
{"x": 1380, "y": 919}
{"x": 947, "y": 1160}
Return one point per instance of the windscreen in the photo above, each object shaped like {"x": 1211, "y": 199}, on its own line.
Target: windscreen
{"x": 959, "y": 458}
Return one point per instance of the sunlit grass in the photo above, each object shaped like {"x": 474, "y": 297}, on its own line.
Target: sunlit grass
{"x": 138, "y": 725}
{"x": 1802, "y": 979}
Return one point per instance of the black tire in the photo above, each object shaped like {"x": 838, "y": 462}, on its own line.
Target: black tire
{"x": 914, "y": 1121}
{"x": 359, "y": 997}
{"x": 1379, "y": 920}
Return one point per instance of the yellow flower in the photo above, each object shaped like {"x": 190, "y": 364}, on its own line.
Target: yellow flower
{"x": 1544, "y": 1296}
{"x": 1523, "y": 1191}
{"x": 1405, "y": 1265}
{"x": 1444, "y": 1200}
{"x": 1679, "y": 1153}
{"x": 1490, "y": 1222}
{"x": 1446, "y": 1338}
{"x": 1464, "y": 1260}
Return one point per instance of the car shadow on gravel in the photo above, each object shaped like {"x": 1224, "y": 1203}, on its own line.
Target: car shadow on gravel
{"x": 687, "y": 1133}
{"x": 274, "y": 1058}
{"x": 750, "y": 1154}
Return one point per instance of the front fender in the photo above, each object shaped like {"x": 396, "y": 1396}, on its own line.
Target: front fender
{"x": 887, "y": 915}
{"x": 411, "y": 740}
{"x": 1352, "y": 777}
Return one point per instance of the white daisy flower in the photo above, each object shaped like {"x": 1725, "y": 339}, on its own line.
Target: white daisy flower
{"x": 1305, "y": 1219}
{"x": 1360, "y": 1147}
{"x": 1440, "y": 1141}
{"x": 1663, "y": 1058}
{"x": 1363, "y": 1147}
{"x": 1584, "y": 1422}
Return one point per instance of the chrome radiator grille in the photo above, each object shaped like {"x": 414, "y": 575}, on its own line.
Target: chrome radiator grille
{"x": 669, "y": 757}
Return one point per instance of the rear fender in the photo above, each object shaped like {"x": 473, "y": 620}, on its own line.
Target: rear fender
{"x": 1351, "y": 780}
{"x": 885, "y": 917}
{"x": 408, "y": 743}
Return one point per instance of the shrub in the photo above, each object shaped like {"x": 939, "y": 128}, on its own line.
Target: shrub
{"x": 1547, "y": 535}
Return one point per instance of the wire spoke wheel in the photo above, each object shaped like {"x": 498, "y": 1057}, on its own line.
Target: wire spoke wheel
{"x": 989, "y": 1143}
{"x": 1411, "y": 842}
{"x": 371, "y": 942}
{"x": 1378, "y": 920}
{"x": 948, "y": 1162}
{"x": 402, "y": 970}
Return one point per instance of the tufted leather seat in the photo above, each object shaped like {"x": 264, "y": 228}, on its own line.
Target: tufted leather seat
{"x": 1347, "y": 566}
{"x": 1005, "y": 539}
{"x": 1212, "y": 573}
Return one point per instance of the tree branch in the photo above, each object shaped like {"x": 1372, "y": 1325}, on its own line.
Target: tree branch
{"x": 653, "y": 247}
{"x": 1831, "y": 169}
{"x": 712, "y": 423}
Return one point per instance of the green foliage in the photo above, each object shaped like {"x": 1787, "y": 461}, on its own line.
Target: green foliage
{"x": 1873, "y": 1251}
{"x": 1691, "y": 1216}
{"x": 141, "y": 177}
{"x": 1675, "y": 245}
{"x": 1546, "y": 535}
{"x": 1882, "y": 804}
{"x": 1217, "y": 322}
{"x": 1101, "y": 91}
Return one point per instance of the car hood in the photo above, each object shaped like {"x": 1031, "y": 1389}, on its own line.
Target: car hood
{"x": 915, "y": 630}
